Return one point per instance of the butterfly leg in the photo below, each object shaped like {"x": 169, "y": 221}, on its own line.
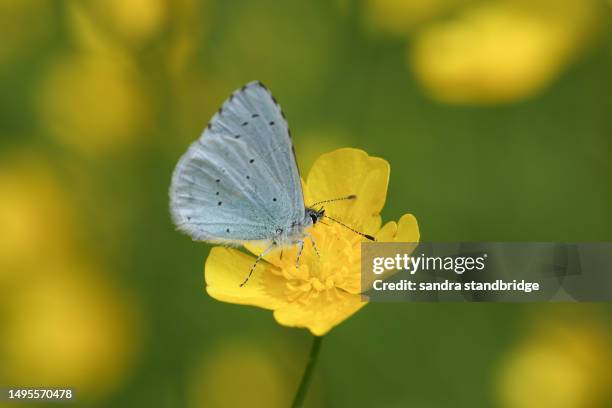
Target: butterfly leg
{"x": 300, "y": 245}
{"x": 314, "y": 245}
{"x": 259, "y": 258}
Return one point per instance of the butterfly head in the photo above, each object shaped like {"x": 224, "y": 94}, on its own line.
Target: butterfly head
{"x": 315, "y": 215}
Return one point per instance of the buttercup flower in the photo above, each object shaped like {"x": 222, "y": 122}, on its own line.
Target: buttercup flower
{"x": 325, "y": 290}
{"x": 560, "y": 365}
{"x": 501, "y": 51}
{"x": 251, "y": 366}
{"x": 94, "y": 102}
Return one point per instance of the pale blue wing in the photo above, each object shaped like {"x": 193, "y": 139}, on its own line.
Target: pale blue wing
{"x": 239, "y": 181}
{"x": 254, "y": 112}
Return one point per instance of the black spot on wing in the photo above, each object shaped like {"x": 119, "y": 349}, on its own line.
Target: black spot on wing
{"x": 255, "y": 115}
{"x": 252, "y": 160}
{"x": 272, "y": 123}
{"x": 245, "y": 123}
{"x": 220, "y": 202}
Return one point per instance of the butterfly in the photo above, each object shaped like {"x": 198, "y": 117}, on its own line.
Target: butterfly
{"x": 240, "y": 183}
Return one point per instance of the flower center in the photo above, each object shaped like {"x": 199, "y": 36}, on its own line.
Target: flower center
{"x": 337, "y": 268}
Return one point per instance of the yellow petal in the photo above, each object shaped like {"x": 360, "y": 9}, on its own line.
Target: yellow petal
{"x": 350, "y": 171}
{"x": 226, "y": 269}
{"x": 405, "y": 230}
{"x": 387, "y": 232}
{"x": 408, "y": 229}
{"x": 320, "y": 314}
{"x": 257, "y": 248}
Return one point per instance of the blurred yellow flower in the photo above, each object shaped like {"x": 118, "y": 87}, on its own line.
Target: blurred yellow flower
{"x": 62, "y": 322}
{"x": 502, "y": 51}
{"x": 238, "y": 374}
{"x": 70, "y": 327}
{"x": 324, "y": 291}
{"x": 35, "y": 214}
{"x": 135, "y": 20}
{"x": 400, "y": 17}
{"x": 116, "y": 30}
{"x": 122, "y": 23}
{"x": 561, "y": 366}
{"x": 94, "y": 102}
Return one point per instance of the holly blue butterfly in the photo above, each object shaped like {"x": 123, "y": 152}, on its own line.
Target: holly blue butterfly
{"x": 239, "y": 182}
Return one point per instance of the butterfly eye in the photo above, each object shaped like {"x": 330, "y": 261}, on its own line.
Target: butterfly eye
{"x": 314, "y": 218}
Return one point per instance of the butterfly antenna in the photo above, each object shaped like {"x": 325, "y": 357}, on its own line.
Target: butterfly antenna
{"x": 348, "y": 197}
{"x": 370, "y": 237}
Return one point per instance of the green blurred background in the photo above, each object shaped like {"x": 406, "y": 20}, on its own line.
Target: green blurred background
{"x": 494, "y": 115}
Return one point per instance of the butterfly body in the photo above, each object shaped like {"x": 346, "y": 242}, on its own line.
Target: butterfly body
{"x": 296, "y": 231}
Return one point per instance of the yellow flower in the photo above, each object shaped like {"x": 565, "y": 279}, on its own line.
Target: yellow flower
{"x": 324, "y": 291}
{"x": 561, "y": 365}
{"x": 135, "y": 20}
{"x": 69, "y": 325}
{"x": 252, "y": 367}
{"x": 94, "y": 102}
{"x": 35, "y": 214}
{"x": 501, "y": 51}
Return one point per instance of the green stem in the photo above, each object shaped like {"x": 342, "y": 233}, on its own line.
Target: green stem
{"x": 300, "y": 395}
